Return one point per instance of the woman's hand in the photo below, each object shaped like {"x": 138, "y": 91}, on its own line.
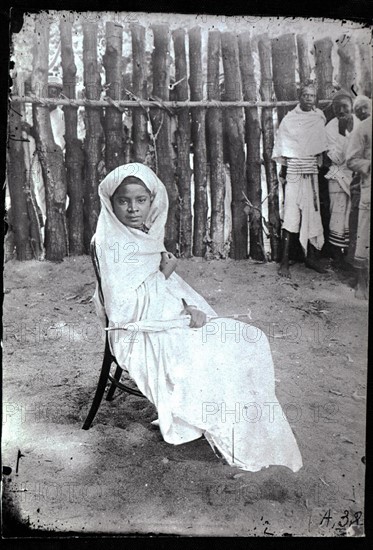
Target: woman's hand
{"x": 197, "y": 317}
{"x": 168, "y": 264}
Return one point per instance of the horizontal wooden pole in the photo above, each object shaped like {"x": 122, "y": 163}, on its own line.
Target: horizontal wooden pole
{"x": 129, "y": 104}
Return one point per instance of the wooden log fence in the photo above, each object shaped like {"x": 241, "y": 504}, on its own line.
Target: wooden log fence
{"x": 266, "y": 85}
{"x": 23, "y": 218}
{"x": 324, "y": 75}
{"x": 156, "y": 104}
{"x": 182, "y": 124}
{"x": 50, "y": 155}
{"x": 214, "y": 137}
{"x": 183, "y": 136}
{"x": 139, "y": 88}
{"x": 161, "y": 122}
{"x": 365, "y": 80}
{"x": 198, "y": 135}
{"x": 304, "y": 66}
{"x": 324, "y": 72}
{"x": 74, "y": 156}
{"x": 112, "y": 61}
{"x": 347, "y": 65}
{"x": 252, "y": 138}
{"x": 234, "y": 127}
{"x": 284, "y": 58}
{"x": 94, "y": 132}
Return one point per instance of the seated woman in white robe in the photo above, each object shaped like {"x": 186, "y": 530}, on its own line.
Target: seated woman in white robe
{"x": 206, "y": 378}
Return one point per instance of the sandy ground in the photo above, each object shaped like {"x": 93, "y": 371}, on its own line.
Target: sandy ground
{"x": 120, "y": 476}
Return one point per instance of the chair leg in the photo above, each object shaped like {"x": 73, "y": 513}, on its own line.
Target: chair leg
{"x": 102, "y": 381}
{"x": 117, "y": 375}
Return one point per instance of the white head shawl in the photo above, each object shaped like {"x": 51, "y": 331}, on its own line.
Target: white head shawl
{"x": 158, "y": 211}
{"x": 127, "y": 256}
{"x": 361, "y": 100}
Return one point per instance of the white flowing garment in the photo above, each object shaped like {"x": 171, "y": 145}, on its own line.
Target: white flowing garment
{"x": 216, "y": 381}
{"x": 301, "y": 134}
{"x": 337, "y": 147}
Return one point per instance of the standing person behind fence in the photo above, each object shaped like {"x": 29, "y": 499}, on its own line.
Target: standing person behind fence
{"x": 211, "y": 379}
{"x": 339, "y": 176}
{"x": 358, "y": 157}
{"x": 362, "y": 109}
{"x": 56, "y": 113}
{"x": 299, "y": 143}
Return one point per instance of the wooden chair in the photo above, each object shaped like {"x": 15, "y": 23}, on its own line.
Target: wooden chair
{"x": 107, "y": 362}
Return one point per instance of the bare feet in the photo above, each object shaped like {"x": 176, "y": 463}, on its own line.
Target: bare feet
{"x": 314, "y": 264}
{"x": 361, "y": 292}
{"x": 342, "y": 265}
{"x": 313, "y": 259}
{"x": 284, "y": 271}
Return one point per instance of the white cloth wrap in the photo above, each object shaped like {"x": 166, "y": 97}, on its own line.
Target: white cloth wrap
{"x": 194, "y": 377}
{"x": 301, "y": 134}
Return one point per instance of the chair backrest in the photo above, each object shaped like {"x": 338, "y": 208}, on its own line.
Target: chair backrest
{"x": 96, "y": 266}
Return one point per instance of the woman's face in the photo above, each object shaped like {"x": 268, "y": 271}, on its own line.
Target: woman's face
{"x": 131, "y": 203}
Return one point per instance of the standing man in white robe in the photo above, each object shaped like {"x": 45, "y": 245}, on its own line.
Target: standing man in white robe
{"x": 358, "y": 158}
{"x": 362, "y": 108}
{"x": 299, "y": 143}
{"x": 339, "y": 175}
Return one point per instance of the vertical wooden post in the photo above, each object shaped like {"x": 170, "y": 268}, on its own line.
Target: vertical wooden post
{"x": 284, "y": 57}
{"x": 365, "y": 55}
{"x": 94, "y": 133}
{"x": 215, "y": 147}
{"x": 324, "y": 72}
{"x": 50, "y": 154}
{"x": 112, "y": 60}
{"x": 324, "y": 67}
{"x": 199, "y": 142}
{"x": 234, "y": 125}
{"x": 34, "y": 212}
{"x": 252, "y": 138}
{"x": 162, "y": 126}
{"x": 303, "y": 57}
{"x": 127, "y": 132}
{"x": 347, "y": 75}
{"x": 183, "y": 172}
{"x": 74, "y": 157}
{"x": 264, "y": 46}
{"x": 140, "y": 135}
{"x": 33, "y": 209}
{"x": 325, "y": 89}
{"x": 17, "y": 183}
{"x": 9, "y": 250}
